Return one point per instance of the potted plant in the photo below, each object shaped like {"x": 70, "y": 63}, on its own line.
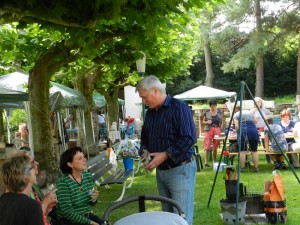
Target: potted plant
{"x": 128, "y": 151}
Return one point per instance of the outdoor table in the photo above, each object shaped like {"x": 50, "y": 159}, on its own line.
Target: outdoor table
{"x": 149, "y": 218}
{"x": 234, "y": 137}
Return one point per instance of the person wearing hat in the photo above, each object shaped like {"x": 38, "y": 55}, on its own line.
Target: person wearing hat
{"x": 213, "y": 122}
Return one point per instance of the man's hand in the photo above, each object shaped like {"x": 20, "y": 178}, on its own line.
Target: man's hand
{"x": 158, "y": 158}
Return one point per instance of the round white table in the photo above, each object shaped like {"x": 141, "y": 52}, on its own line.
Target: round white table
{"x": 151, "y": 218}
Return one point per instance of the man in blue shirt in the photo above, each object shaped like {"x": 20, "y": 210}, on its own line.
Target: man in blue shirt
{"x": 169, "y": 135}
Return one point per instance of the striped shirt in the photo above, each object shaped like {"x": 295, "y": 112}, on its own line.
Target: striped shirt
{"x": 170, "y": 128}
{"x": 72, "y": 202}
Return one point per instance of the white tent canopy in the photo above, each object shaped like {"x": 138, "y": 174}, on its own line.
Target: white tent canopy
{"x": 70, "y": 98}
{"x": 60, "y": 97}
{"x": 203, "y": 92}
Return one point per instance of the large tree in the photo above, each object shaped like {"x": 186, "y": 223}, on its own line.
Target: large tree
{"x": 254, "y": 41}
{"x": 82, "y": 25}
{"x": 169, "y": 52}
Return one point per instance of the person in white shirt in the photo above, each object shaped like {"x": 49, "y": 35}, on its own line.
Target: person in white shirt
{"x": 296, "y": 133}
{"x": 261, "y": 120}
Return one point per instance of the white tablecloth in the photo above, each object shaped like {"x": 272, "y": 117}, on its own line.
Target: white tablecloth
{"x": 152, "y": 218}
{"x": 114, "y": 135}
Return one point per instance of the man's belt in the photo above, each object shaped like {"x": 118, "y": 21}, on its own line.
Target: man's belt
{"x": 178, "y": 164}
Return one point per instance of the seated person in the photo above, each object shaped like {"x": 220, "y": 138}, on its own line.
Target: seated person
{"x": 47, "y": 201}
{"x": 16, "y": 207}
{"x": 296, "y": 133}
{"x": 277, "y": 131}
{"x": 287, "y": 126}
{"x": 75, "y": 190}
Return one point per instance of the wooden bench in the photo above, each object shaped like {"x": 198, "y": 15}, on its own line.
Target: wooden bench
{"x": 259, "y": 152}
{"x": 265, "y": 153}
{"x": 104, "y": 174}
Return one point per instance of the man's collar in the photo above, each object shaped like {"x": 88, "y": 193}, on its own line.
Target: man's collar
{"x": 167, "y": 101}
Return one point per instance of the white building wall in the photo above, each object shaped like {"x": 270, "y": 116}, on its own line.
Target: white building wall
{"x": 133, "y": 103}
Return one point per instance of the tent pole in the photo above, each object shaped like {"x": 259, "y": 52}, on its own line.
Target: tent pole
{"x": 224, "y": 148}
{"x": 200, "y": 124}
{"x": 29, "y": 124}
{"x": 6, "y": 116}
{"x": 61, "y": 130}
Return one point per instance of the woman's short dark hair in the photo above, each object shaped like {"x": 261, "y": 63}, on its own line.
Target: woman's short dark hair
{"x": 67, "y": 157}
{"x": 212, "y": 102}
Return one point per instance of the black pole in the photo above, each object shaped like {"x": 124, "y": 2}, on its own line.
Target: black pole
{"x": 224, "y": 147}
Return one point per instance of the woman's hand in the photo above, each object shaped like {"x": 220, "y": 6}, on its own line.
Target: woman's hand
{"x": 94, "y": 195}
{"x": 51, "y": 198}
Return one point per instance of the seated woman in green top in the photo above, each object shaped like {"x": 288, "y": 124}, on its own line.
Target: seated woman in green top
{"x": 75, "y": 190}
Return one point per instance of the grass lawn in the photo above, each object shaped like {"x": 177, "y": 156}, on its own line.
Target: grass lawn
{"x": 146, "y": 184}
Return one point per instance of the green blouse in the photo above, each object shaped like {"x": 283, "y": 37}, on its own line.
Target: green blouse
{"x": 74, "y": 199}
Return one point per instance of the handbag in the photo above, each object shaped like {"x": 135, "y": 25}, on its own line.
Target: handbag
{"x": 274, "y": 200}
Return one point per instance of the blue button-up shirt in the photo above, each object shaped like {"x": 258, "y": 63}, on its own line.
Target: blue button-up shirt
{"x": 171, "y": 128}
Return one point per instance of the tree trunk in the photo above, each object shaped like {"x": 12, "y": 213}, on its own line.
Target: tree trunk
{"x": 112, "y": 111}
{"x": 44, "y": 152}
{"x": 85, "y": 84}
{"x": 259, "y": 87}
{"x": 38, "y": 89}
{"x": 2, "y": 130}
{"x": 208, "y": 64}
{"x": 298, "y": 69}
{"x": 259, "y": 90}
{"x": 112, "y": 105}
